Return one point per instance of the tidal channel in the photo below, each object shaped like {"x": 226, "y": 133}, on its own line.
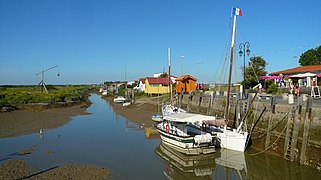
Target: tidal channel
{"x": 106, "y": 139}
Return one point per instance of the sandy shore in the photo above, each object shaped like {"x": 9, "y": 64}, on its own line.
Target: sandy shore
{"x": 20, "y": 122}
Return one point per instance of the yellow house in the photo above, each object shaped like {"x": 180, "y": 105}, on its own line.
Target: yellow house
{"x": 157, "y": 85}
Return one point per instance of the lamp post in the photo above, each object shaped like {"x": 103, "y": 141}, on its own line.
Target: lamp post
{"x": 244, "y": 53}
{"x": 182, "y": 59}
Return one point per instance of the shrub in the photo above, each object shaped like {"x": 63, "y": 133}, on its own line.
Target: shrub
{"x": 272, "y": 89}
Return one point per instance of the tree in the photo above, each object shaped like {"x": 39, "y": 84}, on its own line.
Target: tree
{"x": 163, "y": 75}
{"x": 256, "y": 69}
{"x": 311, "y": 57}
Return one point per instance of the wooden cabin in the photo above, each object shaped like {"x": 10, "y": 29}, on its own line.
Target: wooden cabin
{"x": 186, "y": 84}
{"x": 157, "y": 85}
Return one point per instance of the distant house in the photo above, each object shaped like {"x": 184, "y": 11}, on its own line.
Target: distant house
{"x": 157, "y": 85}
{"x": 303, "y": 76}
{"x": 186, "y": 84}
{"x": 140, "y": 85}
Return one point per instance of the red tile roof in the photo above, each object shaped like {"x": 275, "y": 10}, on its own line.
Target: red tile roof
{"x": 301, "y": 69}
{"x": 155, "y": 80}
{"x": 142, "y": 80}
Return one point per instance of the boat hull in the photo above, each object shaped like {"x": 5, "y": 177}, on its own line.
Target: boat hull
{"x": 185, "y": 145}
{"x": 233, "y": 140}
{"x": 157, "y": 118}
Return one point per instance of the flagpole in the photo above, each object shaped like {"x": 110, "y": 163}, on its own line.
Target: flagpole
{"x": 169, "y": 72}
{"x": 230, "y": 71}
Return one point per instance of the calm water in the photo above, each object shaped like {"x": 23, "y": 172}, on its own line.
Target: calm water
{"x": 131, "y": 151}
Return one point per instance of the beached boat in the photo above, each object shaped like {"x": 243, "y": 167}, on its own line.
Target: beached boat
{"x": 170, "y": 109}
{"x": 181, "y": 133}
{"x": 104, "y": 92}
{"x": 157, "y": 118}
{"x": 127, "y": 103}
{"x": 119, "y": 99}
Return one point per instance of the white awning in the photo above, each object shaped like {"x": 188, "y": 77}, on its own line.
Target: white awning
{"x": 300, "y": 75}
{"x": 308, "y": 74}
{"x": 188, "y": 118}
{"x": 297, "y": 75}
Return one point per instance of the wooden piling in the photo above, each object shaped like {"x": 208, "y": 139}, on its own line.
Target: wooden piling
{"x": 295, "y": 128}
{"x": 210, "y": 104}
{"x": 288, "y": 134}
{"x": 180, "y": 96}
{"x": 237, "y": 117}
{"x": 306, "y": 130}
{"x": 188, "y": 109}
{"x": 268, "y": 136}
{"x": 199, "y": 102}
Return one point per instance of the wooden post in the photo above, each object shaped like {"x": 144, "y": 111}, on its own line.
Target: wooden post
{"x": 306, "y": 130}
{"x": 288, "y": 133}
{"x": 199, "y": 102}
{"x": 268, "y": 136}
{"x": 210, "y": 104}
{"x": 189, "y": 102}
{"x": 295, "y": 128}
{"x": 237, "y": 120}
{"x": 240, "y": 112}
{"x": 180, "y": 97}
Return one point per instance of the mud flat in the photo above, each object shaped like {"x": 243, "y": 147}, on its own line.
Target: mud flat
{"x": 18, "y": 169}
{"x": 20, "y": 122}
{"x": 139, "y": 113}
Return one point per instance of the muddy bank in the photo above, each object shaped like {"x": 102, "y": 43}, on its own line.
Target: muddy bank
{"x": 139, "y": 113}
{"x": 18, "y": 169}
{"x": 20, "y": 122}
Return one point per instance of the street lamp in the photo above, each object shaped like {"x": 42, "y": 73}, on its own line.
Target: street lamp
{"x": 182, "y": 59}
{"x": 241, "y": 53}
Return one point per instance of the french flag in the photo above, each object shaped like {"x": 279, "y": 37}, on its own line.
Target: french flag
{"x": 237, "y": 11}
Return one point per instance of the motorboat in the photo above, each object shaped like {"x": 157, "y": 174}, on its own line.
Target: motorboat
{"x": 182, "y": 134}
{"x": 119, "y": 99}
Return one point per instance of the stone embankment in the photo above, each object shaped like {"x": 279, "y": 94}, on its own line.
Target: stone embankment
{"x": 291, "y": 131}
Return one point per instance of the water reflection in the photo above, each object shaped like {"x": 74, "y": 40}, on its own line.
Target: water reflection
{"x": 181, "y": 166}
{"x": 232, "y": 161}
{"x": 224, "y": 164}
{"x": 151, "y": 133}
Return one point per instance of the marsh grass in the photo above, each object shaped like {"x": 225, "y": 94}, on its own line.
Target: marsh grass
{"x": 20, "y": 95}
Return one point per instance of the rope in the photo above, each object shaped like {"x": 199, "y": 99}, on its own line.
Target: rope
{"x": 278, "y": 123}
{"x": 270, "y": 145}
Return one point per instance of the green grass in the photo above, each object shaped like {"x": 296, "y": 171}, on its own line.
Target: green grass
{"x": 19, "y": 95}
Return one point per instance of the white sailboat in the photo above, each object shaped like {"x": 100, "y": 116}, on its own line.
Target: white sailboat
{"x": 230, "y": 138}
{"x": 170, "y": 108}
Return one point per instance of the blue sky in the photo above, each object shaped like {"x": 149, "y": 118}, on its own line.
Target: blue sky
{"x": 94, "y": 41}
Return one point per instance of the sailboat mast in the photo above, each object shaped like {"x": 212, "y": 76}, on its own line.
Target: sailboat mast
{"x": 169, "y": 73}
{"x": 230, "y": 71}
